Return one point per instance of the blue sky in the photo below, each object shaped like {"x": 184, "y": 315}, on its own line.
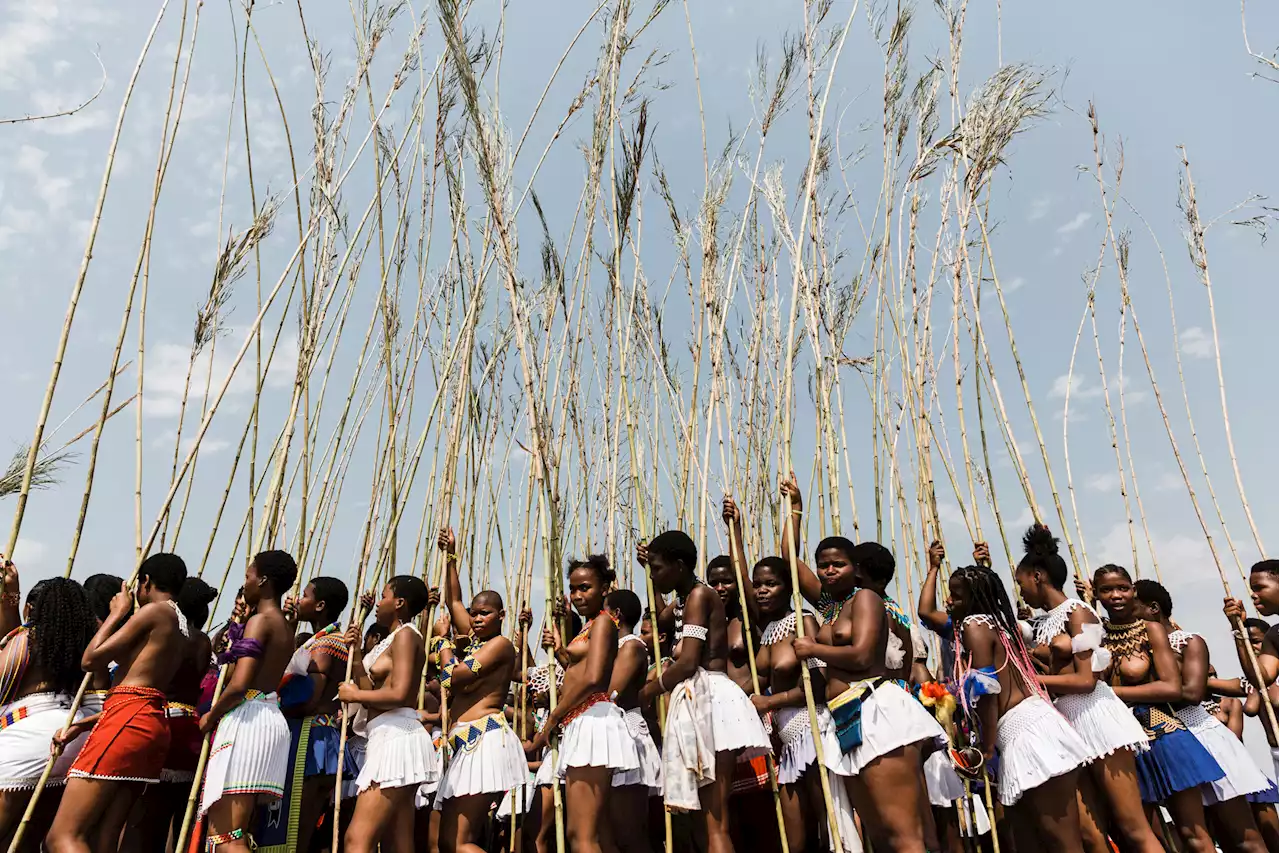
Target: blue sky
{"x": 1159, "y": 77}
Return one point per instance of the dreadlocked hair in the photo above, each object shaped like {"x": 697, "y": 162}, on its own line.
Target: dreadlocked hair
{"x": 62, "y": 624}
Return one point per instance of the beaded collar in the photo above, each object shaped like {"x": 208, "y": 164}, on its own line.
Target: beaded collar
{"x": 829, "y": 608}
{"x": 1054, "y": 622}
{"x": 586, "y": 629}
{"x": 1126, "y": 641}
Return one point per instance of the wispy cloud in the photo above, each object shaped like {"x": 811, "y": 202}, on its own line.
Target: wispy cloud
{"x": 1075, "y": 224}
{"x": 1015, "y": 284}
{"x": 1195, "y": 343}
{"x": 1102, "y": 482}
{"x": 1079, "y": 388}
{"x": 1040, "y": 208}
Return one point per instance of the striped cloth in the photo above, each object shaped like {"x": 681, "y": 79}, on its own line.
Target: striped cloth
{"x": 250, "y": 752}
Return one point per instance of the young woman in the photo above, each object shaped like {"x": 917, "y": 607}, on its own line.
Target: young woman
{"x": 594, "y": 742}
{"x": 799, "y": 783}
{"x": 1264, "y": 589}
{"x": 1224, "y": 798}
{"x": 487, "y": 758}
{"x": 163, "y": 804}
{"x": 1144, "y": 673}
{"x": 883, "y": 730}
{"x": 724, "y": 581}
{"x": 250, "y": 754}
{"x": 399, "y": 754}
{"x": 39, "y": 673}
{"x": 1040, "y": 754}
{"x": 309, "y": 701}
{"x": 1067, "y": 642}
{"x": 629, "y": 801}
{"x": 697, "y": 680}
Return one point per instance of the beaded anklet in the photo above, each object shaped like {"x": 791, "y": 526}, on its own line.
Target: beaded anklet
{"x": 212, "y": 842}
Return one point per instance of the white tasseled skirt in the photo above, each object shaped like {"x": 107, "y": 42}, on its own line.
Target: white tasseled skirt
{"x": 399, "y": 752}
{"x": 1035, "y": 744}
{"x": 598, "y": 737}
{"x": 891, "y": 719}
{"x": 250, "y": 752}
{"x": 649, "y": 773}
{"x": 1243, "y": 776}
{"x": 1103, "y": 721}
{"x": 24, "y": 744}
{"x": 490, "y": 763}
{"x": 798, "y": 752}
{"x": 735, "y": 723}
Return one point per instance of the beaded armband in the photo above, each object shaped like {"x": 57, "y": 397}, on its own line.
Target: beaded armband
{"x": 698, "y": 632}
{"x": 469, "y": 662}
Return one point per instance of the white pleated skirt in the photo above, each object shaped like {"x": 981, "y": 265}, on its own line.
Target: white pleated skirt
{"x": 798, "y": 751}
{"x": 399, "y": 752}
{"x": 1035, "y": 744}
{"x": 598, "y": 737}
{"x": 250, "y": 752}
{"x": 1243, "y": 776}
{"x": 649, "y": 773}
{"x": 1103, "y": 721}
{"x": 944, "y": 783}
{"x": 24, "y": 744}
{"x": 735, "y": 723}
{"x": 891, "y": 719}
{"x": 485, "y": 758}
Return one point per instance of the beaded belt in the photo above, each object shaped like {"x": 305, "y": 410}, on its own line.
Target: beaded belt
{"x": 135, "y": 690}
{"x": 331, "y": 721}
{"x": 180, "y": 709}
{"x": 467, "y": 736}
{"x": 583, "y": 706}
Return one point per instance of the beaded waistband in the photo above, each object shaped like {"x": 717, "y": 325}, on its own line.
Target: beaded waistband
{"x": 181, "y": 709}
{"x": 467, "y": 736}
{"x": 583, "y": 707}
{"x": 135, "y": 690}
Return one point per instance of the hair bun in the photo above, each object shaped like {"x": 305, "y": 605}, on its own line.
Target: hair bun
{"x": 1039, "y": 541}
{"x": 600, "y": 563}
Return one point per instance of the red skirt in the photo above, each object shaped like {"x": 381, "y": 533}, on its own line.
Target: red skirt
{"x": 751, "y": 775}
{"x": 130, "y": 741}
{"x": 184, "y": 744}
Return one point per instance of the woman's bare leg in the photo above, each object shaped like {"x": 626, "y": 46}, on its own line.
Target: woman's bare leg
{"x": 714, "y": 798}
{"x": 1052, "y": 809}
{"x": 1264, "y": 815}
{"x": 1116, "y": 777}
{"x": 587, "y": 795}
{"x": 888, "y": 794}
{"x": 229, "y": 814}
{"x": 462, "y": 820}
{"x": 1239, "y": 833}
{"x": 1187, "y": 811}
{"x": 629, "y": 808}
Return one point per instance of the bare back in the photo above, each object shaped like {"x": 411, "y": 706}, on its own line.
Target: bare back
{"x": 149, "y": 661}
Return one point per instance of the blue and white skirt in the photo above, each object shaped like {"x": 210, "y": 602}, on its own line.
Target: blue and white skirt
{"x": 1175, "y": 762}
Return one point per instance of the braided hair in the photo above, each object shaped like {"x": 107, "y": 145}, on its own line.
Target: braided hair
{"x": 987, "y": 597}
{"x": 62, "y": 624}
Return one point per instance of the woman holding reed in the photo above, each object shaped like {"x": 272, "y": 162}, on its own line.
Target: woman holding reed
{"x": 399, "y": 754}
{"x": 594, "y": 740}
{"x": 1144, "y": 673}
{"x": 1040, "y": 753}
{"x": 486, "y": 759}
{"x": 1067, "y": 643}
